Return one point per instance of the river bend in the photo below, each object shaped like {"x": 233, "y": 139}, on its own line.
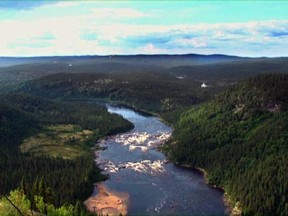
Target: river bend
{"x": 154, "y": 186}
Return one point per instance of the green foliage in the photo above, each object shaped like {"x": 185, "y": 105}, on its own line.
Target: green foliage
{"x": 20, "y": 200}
{"x": 51, "y": 180}
{"x": 65, "y": 180}
{"x": 241, "y": 139}
{"x": 173, "y": 116}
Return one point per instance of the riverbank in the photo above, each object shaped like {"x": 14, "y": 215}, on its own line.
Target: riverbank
{"x": 107, "y": 202}
{"x": 232, "y": 209}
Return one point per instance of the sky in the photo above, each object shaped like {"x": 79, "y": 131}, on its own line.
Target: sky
{"x": 50, "y": 28}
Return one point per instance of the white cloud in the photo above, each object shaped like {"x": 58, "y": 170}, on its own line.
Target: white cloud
{"x": 149, "y": 49}
{"x": 194, "y": 42}
{"x": 115, "y": 36}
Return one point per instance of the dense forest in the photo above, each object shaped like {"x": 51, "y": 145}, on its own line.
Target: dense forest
{"x": 43, "y": 178}
{"x": 235, "y": 130}
{"x": 240, "y": 139}
{"x": 143, "y": 90}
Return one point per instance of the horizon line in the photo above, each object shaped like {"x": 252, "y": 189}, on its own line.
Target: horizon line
{"x": 139, "y": 54}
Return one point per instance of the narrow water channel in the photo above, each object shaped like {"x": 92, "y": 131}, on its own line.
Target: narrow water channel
{"x": 154, "y": 186}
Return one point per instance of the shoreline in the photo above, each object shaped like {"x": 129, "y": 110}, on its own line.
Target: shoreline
{"x": 106, "y": 202}
{"x": 232, "y": 209}
{"x": 203, "y": 172}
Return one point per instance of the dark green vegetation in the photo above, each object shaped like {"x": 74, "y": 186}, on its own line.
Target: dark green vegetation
{"x": 241, "y": 139}
{"x": 56, "y": 180}
{"x": 217, "y": 70}
{"x": 228, "y": 73}
{"x": 135, "y": 80}
{"x": 24, "y": 69}
{"x": 88, "y": 116}
{"x": 155, "y": 83}
{"x": 143, "y": 90}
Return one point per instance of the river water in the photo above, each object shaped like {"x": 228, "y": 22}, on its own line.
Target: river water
{"x": 155, "y": 187}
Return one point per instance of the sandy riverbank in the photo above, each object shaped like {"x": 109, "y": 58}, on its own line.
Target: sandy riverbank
{"x": 107, "y": 202}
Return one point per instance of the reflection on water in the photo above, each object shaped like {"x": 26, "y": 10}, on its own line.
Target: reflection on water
{"x": 154, "y": 186}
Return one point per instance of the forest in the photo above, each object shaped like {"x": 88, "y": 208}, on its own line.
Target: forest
{"x": 56, "y": 183}
{"x": 240, "y": 138}
{"x": 143, "y": 90}
{"x": 235, "y": 129}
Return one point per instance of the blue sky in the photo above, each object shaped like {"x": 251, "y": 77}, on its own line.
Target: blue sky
{"x": 244, "y": 28}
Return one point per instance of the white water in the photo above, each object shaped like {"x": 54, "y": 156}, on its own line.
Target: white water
{"x": 154, "y": 187}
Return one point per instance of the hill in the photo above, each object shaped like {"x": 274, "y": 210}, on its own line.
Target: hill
{"x": 240, "y": 139}
{"x": 183, "y": 73}
{"x": 45, "y": 150}
{"x": 156, "y": 92}
{"x": 156, "y": 60}
{"x": 87, "y": 116}
{"x": 9, "y": 61}
{"x": 227, "y": 73}
{"x": 14, "y": 71}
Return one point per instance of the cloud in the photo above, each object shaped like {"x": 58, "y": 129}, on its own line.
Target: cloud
{"x": 109, "y": 31}
{"x": 149, "y": 49}
{"x": 193, "y": 42}
{"x": 277, "y": 30}
{"x": 153, "y": 38}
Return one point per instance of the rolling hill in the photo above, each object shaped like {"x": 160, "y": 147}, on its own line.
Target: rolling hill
{"x": 240, "y": 139}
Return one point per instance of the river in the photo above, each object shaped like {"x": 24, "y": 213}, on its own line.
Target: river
{"x": 154, "y": 186}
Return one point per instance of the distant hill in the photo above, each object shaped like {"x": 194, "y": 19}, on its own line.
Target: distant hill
{"x": 149, "y": 87}
{"x": 215, "y": 70}
{"x": 155, "y": 60}
{"x": 241, "y": 140}
{"x": 227, "y": 72}
{"x": 17, "y": 70}
{"x": 9, "y": 61}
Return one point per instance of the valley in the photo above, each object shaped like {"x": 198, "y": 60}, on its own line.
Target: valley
{"x": 52, "y": 115}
